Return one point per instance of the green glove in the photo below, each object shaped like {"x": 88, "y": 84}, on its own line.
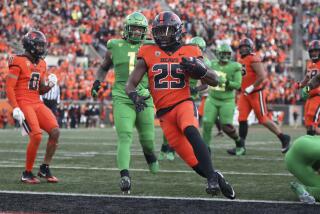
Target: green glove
{"x": 304, "y": 93}
{"x": 222, "y": 81}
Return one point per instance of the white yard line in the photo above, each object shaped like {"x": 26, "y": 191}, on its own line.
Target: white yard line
{"x": 146, "y": 170}
{"x": 147, "y": 197}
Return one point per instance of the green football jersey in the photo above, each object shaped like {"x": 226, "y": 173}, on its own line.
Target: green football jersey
{"x": 232, "y": 72}
{"x": 124, "y": 59}
{"x": 193, "y": 82}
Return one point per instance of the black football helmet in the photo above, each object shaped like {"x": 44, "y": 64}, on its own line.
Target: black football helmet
{"x": 249, "y": 47}
{"x": 35, "y": 43}
{"x": 314, "y": 50}
{"x": 167, "y": 30}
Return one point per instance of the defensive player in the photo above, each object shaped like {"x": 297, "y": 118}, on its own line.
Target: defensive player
{"x": 303, "y": 161}
{"x": 121, "y": 55}
{"x": 253, "y": 96}
{"x": 168, "y": 65}
{"x": 166, "y": 151}
{"x": 221, "y": 100}
{"x": 312, "y": 105}
{"x": 25, "y": 82}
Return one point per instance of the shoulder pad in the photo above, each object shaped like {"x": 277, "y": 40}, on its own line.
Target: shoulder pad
{"x": 113, "y": 42}
{"x": 15, "y": 60}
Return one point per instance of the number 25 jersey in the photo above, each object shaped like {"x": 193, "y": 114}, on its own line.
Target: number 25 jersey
{"x": 29, "y": 78}
{"x": 168, "y": 83}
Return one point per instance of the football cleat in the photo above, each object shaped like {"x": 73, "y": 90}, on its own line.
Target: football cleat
{"x": 170, "y": 156}
{"x": 285, "y": 143}
{"x": 44, "y": 172}
{"x": 238, "y": 151}
{"x": 28, "y": 178}
{"x": 154, "y": 167}
{"x": 162, "y": 156}
{"x": 125, "y": 184}
{"x": 225, "y": 187}
{"x": 213, "y": 187}
{"x": 302, "y": 193}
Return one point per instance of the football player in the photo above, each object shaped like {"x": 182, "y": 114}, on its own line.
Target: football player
{"x": 312, "y": 106}
{"x": 169, "y": 64}
{"x": 221, "y": 100}
{"x": 25, "y": 82}
{"x": 121, "y": 54}
{"x": 303, "y": 161}
{"x": 166, "y": 150}
{"x": 252, "y": 96}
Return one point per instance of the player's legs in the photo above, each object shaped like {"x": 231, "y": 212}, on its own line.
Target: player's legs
{"x": 124, "y": 120}
{"x": 145, "y": 127}
{"x": 258, "y": 103}
{"x": 35, "y": 137}
{"x": 244, "y": 108}
{"x": 166, "y": 152}
{"x": 226, "y": 117}
{"x": 48, "y": 122}
{"x": 312, "y": 115}
{"x": 300, "y": 161}
{"x": 209, "y": 118}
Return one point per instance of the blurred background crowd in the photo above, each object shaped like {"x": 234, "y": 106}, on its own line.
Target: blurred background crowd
{"x": 81, "y": 29}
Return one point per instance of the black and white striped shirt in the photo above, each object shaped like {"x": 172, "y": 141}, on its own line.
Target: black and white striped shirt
{"x": 53, "y": 94}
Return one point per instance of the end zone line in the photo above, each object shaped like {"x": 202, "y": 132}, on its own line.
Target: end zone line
{"x": 147, "y": 170}
{"x": 147, "y": 197}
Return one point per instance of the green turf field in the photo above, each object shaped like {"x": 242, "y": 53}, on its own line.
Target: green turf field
{"x": 85, "y": 163}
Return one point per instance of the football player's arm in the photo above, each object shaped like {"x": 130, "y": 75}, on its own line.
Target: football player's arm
{"x": 203, "y": 86}
{"x": 315, "y": 82}
{"x": 235, "y": 82}
{"x": 260, "y": 72}
{"x": 104, "y": 67}
{"x": 136, "y": 75}
{"x": 101, "y": 73}
{"x": 11, "y": 82}
{"x": 211, "y": 78}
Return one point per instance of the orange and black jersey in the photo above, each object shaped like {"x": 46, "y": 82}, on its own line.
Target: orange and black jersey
{"x": 168, "y": 83}
{"x": 313, "y": 69}
{"x": 29, "y": 77}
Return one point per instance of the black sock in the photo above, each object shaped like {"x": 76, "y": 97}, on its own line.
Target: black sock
{"x": 197, "y": 169}
{"x": 124, "y": 172}
{"x": 150, "y": 158}
{"x": 218, "y": 125}
{"x": 243, "y": 129}
{"x": 200, "y": 150}
{"x": 281, "y": 137}
{"x": 164, "y": 148}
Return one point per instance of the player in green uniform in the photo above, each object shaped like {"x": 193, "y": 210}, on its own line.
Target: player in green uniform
{"x": 121, "y": 54}
{"x": 166, "y": 151}
{"x": 221, "y": 99}
{"x": 303, "y": 161}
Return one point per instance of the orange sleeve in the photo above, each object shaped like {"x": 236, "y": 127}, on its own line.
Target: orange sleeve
{"x": 11, "y": 82}
{"x": 198, "y": 52}
{"x": 141, "y": 51}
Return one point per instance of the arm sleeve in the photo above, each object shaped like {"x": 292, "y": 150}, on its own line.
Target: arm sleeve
{"x": 11, "y": 81}
{"x": 235, "y": 83}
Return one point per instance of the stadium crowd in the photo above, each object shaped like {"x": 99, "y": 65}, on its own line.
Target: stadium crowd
{"x": 310, "y": 21}
{"x": 85, "y": 22}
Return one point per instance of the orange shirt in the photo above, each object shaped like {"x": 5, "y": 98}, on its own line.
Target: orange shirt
{"x": 312, "y": 70}
{"x": 29, "y": 78}
{"x": 167, "y": 82}
{"x": 249, "y": 76}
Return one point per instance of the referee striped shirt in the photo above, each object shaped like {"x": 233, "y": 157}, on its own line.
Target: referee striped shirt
{"x": 53, "y": 94}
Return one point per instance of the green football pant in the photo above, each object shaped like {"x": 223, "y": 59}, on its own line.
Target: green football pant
{"x": 125, "y": 118}
{"x": 301, "y": 158}
{"x": 212, "y": 109}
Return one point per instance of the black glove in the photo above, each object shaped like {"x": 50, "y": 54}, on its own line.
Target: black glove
{"x": 193, "y": 90}
{"x": 193, "y": 66}
{"x": 139, "y": 101}
{"x": 95, "y": 88}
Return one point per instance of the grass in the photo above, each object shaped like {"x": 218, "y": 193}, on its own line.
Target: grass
{"x": 85, "y": 162}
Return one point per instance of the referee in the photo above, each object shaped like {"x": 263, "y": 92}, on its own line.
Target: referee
{"x": 52, "y": 98}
